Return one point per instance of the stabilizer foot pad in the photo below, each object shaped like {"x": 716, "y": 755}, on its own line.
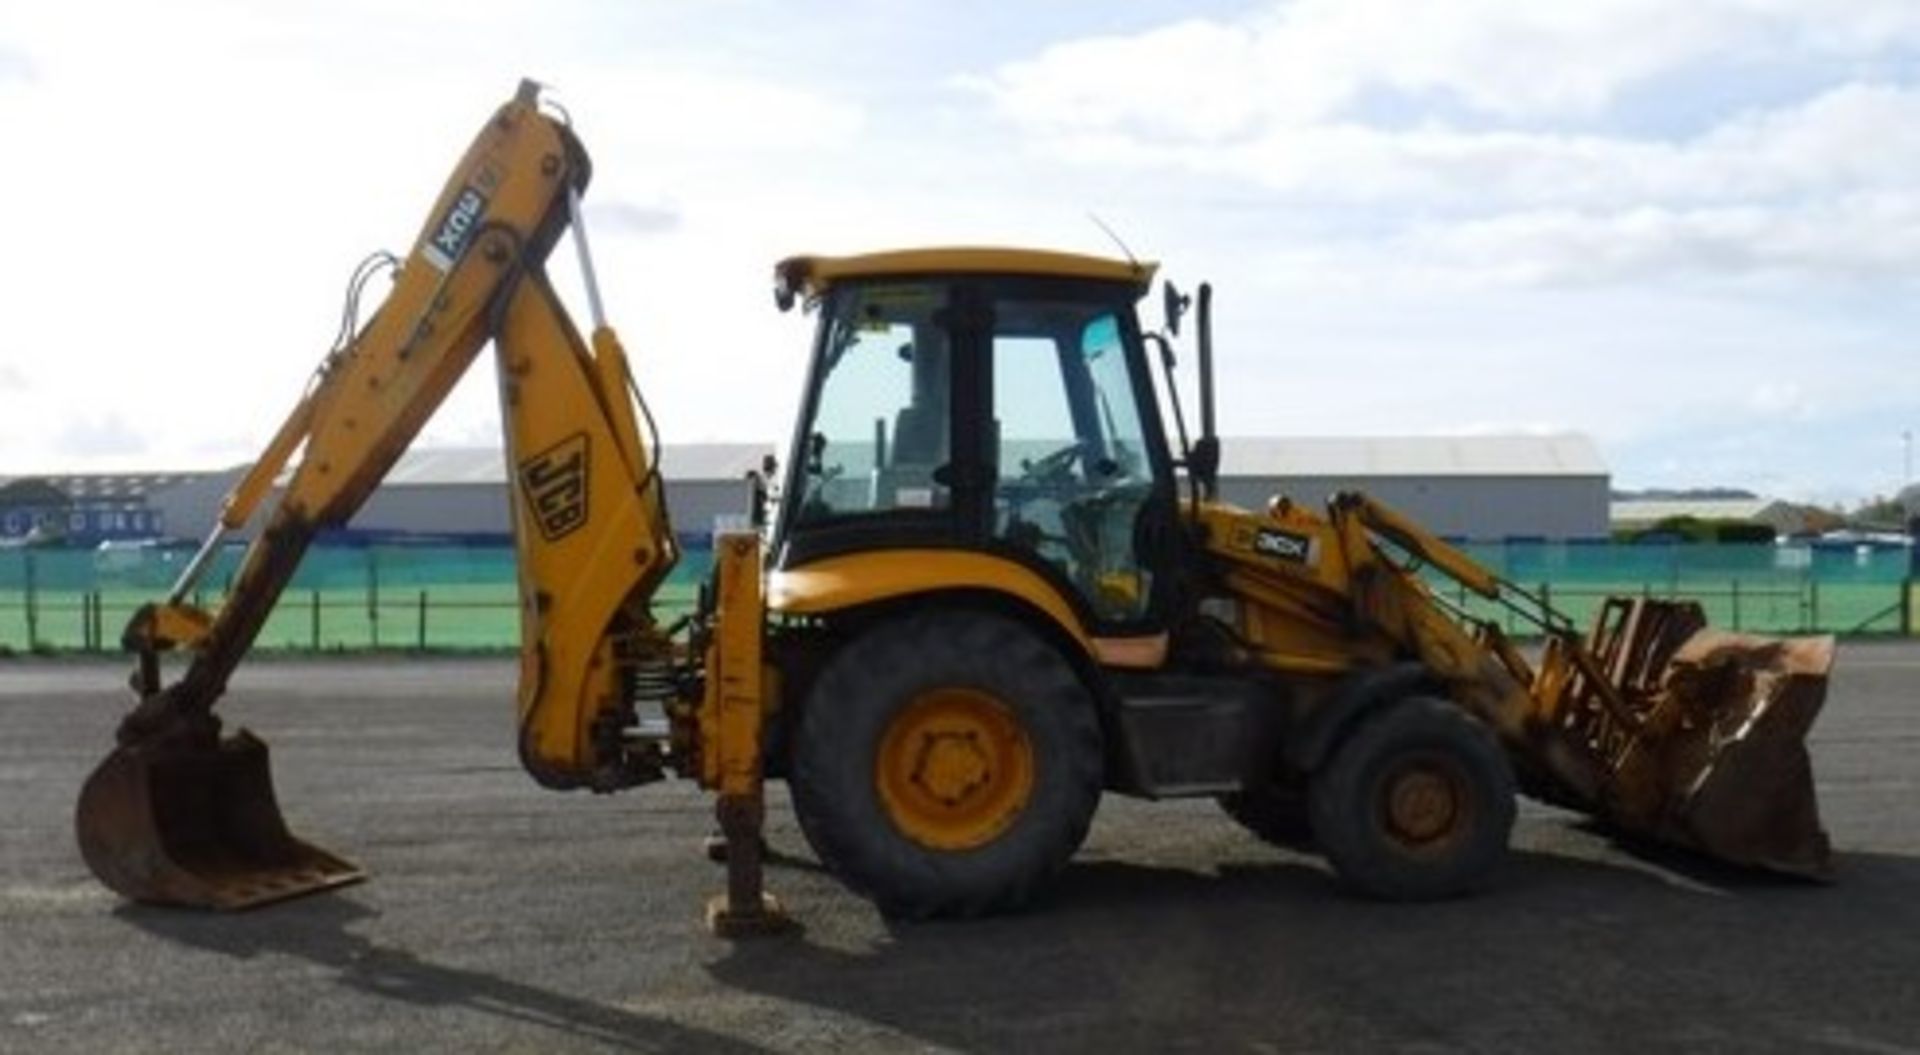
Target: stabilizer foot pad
{"x": 769, "y": 919}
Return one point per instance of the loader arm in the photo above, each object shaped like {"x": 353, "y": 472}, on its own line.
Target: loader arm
{"x": 1652, "y": 722}
{"x": 589, "y": 518}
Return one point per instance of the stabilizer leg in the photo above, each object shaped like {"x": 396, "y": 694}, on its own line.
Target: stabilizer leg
{"x": 746, "y": 909}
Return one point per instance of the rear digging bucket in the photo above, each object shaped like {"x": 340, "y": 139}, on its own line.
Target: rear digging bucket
{"x": 197, "y": 826}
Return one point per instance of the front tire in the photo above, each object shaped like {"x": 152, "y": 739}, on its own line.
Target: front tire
{"x": 1416, "y": 804}
{"x": 947, "y": 764}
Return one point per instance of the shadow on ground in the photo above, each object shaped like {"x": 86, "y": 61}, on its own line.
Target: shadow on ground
{"x": 318, "y": 930}
{"x": 1271, "y": 956}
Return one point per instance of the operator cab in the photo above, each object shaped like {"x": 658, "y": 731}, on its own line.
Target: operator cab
{"x": 988, "y": 400}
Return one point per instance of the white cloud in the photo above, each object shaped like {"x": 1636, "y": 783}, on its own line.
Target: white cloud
{"x": 1508, "y": 165}
{"x": 264, "y": 150}
{"x": 1441, "y": 204}
{"x": 1861, "y": 235}
{"x": 104, "y": 436}
{"x": 1854, "y": 136}
{"x": 1783, "y": 399}
{"x": 1306, "y": 61}
{"x": 622, "y": 217}
{"x": 15, "y": 66}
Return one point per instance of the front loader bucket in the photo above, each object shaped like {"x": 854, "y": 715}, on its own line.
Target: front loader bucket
{"x": 1671, "y": 731}
{"x": 1740, "y": 782}
{"x": 197, "y": 826}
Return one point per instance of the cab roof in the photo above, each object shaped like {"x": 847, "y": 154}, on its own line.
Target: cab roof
{"x": 814, "y": 275}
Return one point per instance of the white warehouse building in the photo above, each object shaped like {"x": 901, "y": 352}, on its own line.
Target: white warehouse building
{"x": 1482, "y": 488}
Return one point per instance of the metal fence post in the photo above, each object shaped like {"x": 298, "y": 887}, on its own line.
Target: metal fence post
{"x": 373, "y": 595}
{"x": 1906, "y": 607}
{"x": 32, "y": 602}
{"x": 1813, "y": 603}
{"x": 1736, "y": 604}
{"x": 422, "y": 644}
{"x": 316, "y": 620}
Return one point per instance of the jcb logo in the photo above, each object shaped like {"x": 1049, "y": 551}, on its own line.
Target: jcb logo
{"x": 455, "y": 229}
{"x": 555, "y": 483}
{"x": 1283, "y": 545}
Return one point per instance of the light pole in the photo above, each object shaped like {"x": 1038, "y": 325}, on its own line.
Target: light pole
{"x": 1906, "y": 441}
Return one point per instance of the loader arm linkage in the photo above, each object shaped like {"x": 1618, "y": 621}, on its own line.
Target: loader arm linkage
{"x": 178, "y": 815}
{"x": 1650, "y": 721}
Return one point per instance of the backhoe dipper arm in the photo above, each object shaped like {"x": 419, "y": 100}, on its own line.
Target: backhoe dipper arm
{"x": 586, "y": 496}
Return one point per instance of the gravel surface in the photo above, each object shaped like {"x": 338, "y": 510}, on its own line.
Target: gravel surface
{"x": 505, "y": 917}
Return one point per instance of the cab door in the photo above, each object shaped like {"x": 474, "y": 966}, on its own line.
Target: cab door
{"x": 1082, "y": 485}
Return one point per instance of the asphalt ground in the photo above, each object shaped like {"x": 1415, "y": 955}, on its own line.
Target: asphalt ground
{"x": 505, "y": 917}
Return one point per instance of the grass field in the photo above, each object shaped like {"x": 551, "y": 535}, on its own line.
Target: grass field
{"x": 485, "y": 616}
{"x": 463, "y": 598}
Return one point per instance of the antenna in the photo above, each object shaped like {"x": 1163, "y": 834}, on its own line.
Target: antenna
{"x": 1102, "y": 224}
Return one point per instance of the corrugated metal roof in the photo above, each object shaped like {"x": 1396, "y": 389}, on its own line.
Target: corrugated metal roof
{"x": 95, "y": 486}
{"x": 1564, "y": 454}
{"x": 440, "y": 466}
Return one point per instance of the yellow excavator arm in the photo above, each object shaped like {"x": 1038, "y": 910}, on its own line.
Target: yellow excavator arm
{"x": 589, "y": 518}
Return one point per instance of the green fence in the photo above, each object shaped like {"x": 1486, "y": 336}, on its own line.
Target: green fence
{"x": 400, "y": 597}
{"x": 453, "y": 597}
{"x": 1766, "y": 589}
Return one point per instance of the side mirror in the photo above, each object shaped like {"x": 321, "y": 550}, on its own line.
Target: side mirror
{"x": 1203, "y": 463}
{"x": 1174, "y": 304}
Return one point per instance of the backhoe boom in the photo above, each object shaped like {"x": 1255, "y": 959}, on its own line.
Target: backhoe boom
{"x": 590, "y": 526}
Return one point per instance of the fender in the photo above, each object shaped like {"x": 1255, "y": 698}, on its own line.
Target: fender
{"x": 1321, "y": 728}
{"x": 839, "y": 583}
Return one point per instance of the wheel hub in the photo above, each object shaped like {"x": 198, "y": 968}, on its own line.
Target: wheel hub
{"x": 951, "y": 766}
{"x": 1425, "y": 804}
{"x": 954, "y": 769}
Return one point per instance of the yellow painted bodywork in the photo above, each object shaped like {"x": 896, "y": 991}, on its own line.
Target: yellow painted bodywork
{"x": 813, "y": 275}
{"x": 739, "y": 687}
{"x": 584, "y": 588}
{"x": 170, "y": 625}
{"x": 839, "y": 583}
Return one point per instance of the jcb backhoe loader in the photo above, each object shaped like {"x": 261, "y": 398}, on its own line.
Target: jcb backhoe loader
{"x": 985, "y": 598}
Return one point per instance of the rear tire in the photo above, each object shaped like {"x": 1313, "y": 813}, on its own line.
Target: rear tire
{"x": 947, "y": 763}
{"x": 1416, "y": 804}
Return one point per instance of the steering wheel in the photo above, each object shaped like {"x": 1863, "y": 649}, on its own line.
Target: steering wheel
{"x": 1053, "y": 468}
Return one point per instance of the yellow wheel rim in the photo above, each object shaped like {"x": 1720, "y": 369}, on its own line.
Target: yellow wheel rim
{"x": 1426, "y": 805}
{"x": 955, "y": 769}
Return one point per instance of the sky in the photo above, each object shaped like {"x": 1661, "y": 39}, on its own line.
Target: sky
{"x": 1688, "y": 230}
